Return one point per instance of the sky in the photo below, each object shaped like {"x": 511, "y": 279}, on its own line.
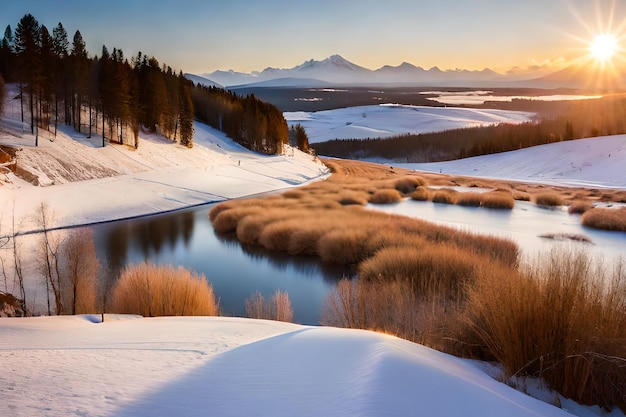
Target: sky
{"x": 201, "y": 36}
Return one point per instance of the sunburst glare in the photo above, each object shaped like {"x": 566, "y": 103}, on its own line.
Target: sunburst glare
{"x": 603, "y": 47}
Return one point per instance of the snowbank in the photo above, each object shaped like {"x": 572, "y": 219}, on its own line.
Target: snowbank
{"x": 183, "y": 366}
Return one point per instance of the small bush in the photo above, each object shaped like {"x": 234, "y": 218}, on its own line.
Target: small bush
{"x": 469, "y": 199}
{"x": 579, "y": 207}
{"x": 421, "y": 194}
{"x": 521, "y": 196}
{"x": 155, "y": 290}
{"x": 434, "y": 271}
{"x": 445, "y": 196}
{"x": 347, "y": 246}
{"x": 347, "y": 198}
{"x": 278, "y": 307}
{"x": 606, "y": 219}
{"x": 549, "y": 200}
{"x": 408, "y": 184}
{"x": 386, "y": 196}
{"x": 498, "y": 200}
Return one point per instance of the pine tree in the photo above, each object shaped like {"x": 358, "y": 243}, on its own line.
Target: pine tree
{"x": 27, "y": 48}
{"x": 6, "y": 52}
{"x": 186, "y": 112}
{"x": 79, "y": 64}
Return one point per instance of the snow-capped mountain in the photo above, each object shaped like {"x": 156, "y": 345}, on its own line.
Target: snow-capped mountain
{"x": 338, "y": 70}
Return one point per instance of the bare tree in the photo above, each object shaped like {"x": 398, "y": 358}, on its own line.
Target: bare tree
{"x": 48, "y": 259}
{"x": 80, "y": 267}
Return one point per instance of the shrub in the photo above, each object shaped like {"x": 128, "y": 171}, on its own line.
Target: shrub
{"x": 579, "y": 207}
{"x": 278, "y": 307}
{"x": 343, "y": 246}
{"x": 421, "y": 194}
{"x": 353, "y": 197}
{"x": 444, "y": 196}
{"x": 549, "y": 200}
{"x": 498, "y": 200}
{"x": 408, "y": 184}
{"x": 521, "y": 196}
{"x": 434, "y": 271}
{"x": 469, "y": 199}
{"x": 606, "y": 219}
{"x": 386, "y": 196}
{"x": 154, "y": 290}
{"x": 563, "y": 320}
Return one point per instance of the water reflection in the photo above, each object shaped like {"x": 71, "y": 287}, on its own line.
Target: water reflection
{"x": 187, "y": 238}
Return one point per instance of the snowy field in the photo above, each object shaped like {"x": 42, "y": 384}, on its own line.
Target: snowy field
{"x": 190, "y": 366}
{"x": 393, "y": 119}
{"x": 593, "y": 162}
{"x": 127, "y": 366}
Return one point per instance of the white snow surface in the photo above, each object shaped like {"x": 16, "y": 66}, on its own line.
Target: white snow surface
{"x": 81, "y": 182}
{"x": 387, "y": 120}
{"x": 215, "y": 366}
{"x": 592, "y": 162}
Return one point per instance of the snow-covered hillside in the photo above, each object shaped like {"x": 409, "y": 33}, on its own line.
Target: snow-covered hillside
{"x": 189, "y": 366}
{"x": 81, "y": 182}
{"x": 391, "y": 120}
{"x": 593, "y": 162}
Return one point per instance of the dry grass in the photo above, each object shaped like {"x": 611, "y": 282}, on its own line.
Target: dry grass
{"x": 154, "y": 290}
{"x": 549, "y": 200}
{"x": 498, "y": 200}
{"x": 278, "y": 307}
{"x": 563, "y": 320}
{"x": 408, "y": 184}
{"x": 606, "y": 219}
{"x": 579, "y": 206}
{"x": 421, "y": 194}
{"x": 444, "y": 196}
{"x": 470, "y": 199}
{"x": 386, "y": 196}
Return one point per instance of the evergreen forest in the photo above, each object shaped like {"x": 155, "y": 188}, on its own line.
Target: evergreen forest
{"x": 115, "y": 96}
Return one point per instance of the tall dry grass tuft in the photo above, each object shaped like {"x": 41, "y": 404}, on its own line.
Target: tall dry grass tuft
{"x": 579, "y": 206}
{"x": 469, "y": 199}
{"x": 498, "y": 200}
{"x": 421, "y": 194}
{"x": 155, "y": 290}
{"x": 278, "y": 307}
{"x": 343, "y": 246}
{"x": 385, "y": 196}
{"x": 606, "y": 219}
{"x": 444, "y": 196}
{"x": 563, "y": 320}
{"x": 434, "y": 271}
{"x": 549, "y": 200}
{"x": 408, "y": 184}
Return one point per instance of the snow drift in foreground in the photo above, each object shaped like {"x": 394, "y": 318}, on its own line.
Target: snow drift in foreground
{"x": 184, "y": 366}
{"x": 387, "y": 120}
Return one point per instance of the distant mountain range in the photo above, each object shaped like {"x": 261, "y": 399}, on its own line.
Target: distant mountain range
{"x": 336, "y": 70}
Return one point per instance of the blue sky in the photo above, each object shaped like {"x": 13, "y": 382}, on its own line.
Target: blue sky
{"x": 204, "y": 35}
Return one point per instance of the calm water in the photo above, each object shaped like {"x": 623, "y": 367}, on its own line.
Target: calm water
{"x": 187, "y": 238}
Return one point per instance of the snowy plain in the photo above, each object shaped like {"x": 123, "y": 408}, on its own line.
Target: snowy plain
{"x": 387, "y": 120}
{"x": 131, "y": 366}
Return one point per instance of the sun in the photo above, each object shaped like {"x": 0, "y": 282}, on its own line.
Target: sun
{"x": 603, "y": 47}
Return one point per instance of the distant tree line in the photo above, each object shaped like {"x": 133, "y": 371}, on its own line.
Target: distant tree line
{"x": 114, "y": 96}
{"x": 579, "y": 119}
{"x": 253, "y": 123}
